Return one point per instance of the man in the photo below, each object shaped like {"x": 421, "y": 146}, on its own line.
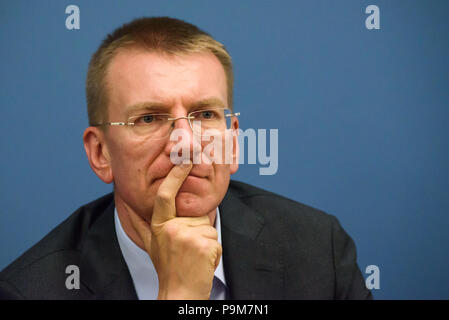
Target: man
{"x": 173, "y": 229}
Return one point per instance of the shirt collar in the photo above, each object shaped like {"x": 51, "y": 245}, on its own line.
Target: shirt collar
{"x": 219, "y": 272}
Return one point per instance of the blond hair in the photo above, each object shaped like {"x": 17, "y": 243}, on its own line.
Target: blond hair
{"x": 160, "y": 34}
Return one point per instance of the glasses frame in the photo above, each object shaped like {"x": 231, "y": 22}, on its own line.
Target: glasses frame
{"x": 189, "y": 117}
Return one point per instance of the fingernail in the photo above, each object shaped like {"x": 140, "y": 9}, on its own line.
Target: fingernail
{"x": 185, "y": 164}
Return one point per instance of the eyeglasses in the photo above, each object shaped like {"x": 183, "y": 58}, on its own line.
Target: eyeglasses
{"x": 155, "y": 126}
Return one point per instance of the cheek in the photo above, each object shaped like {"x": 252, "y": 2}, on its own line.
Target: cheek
{"x": 221, "y": 177}
{"x": 220, "y": 150}
{"x": 131, "y": 159}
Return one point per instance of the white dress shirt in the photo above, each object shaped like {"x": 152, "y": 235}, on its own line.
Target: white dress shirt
{"x": 144, "y": 274}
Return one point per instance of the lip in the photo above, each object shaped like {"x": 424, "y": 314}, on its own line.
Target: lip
{"x": 193, "y": 173}
{"x": 193, "y": 178}
{"x": 196, "y": 174}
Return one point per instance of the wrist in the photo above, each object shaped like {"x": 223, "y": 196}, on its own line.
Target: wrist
{"x": 181, "y": 294}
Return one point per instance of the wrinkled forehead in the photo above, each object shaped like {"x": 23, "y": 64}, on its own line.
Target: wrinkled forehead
{"x": 139, "y": 77}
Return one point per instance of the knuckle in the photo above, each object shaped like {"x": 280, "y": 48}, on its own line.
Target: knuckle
{"x": 209, "y": 232}
{"x": 199, "y": 244}
{"x": 214, "y": 233}
{"x": 163, "y": 197}
{"x": 205, "y": 247}
{"x": 182, "y": 237}
{"x": 172, "y": 230}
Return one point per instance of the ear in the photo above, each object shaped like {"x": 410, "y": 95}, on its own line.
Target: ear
{"x": 97, "y": 153}
{"x": 235, "y": 151}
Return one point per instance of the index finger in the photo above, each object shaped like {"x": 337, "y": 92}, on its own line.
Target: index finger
{"x": 164, "y": 204}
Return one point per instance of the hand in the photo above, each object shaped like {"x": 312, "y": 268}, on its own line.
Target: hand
{"x": 184, "y": 250}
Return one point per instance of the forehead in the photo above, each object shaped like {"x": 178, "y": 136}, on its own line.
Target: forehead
{"x": 137, "y": 76}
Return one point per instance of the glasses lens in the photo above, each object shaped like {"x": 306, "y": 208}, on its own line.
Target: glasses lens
{"x": 211, "y": 121}
{"x": 151, "y": 126}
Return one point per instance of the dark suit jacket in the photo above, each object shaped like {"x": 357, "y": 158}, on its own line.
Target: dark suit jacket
{"x": 273, "y": 248}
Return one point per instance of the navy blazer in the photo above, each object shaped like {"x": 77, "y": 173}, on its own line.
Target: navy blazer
{"x": 273, "y": 248}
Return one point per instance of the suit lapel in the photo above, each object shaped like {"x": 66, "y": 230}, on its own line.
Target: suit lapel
{"x": 103, "y": 269}
{"x": 252, "y": 261}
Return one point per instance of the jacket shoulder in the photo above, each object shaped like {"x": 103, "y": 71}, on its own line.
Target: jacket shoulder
{"x": 270, "y": 205}
{"x": 313, "y": 241}
{"x": 61, "y": 246}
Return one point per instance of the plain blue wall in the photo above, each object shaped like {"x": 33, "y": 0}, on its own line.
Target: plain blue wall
{"x": 363, "y": 118}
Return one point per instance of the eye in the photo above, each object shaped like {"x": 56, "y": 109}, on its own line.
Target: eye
{"x": 148, "y": 118}
{"x": 207, "y": 114}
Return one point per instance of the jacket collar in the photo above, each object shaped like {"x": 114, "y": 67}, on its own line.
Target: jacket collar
{"x": 252, "y": 261}
{"x": 103, "y": 269}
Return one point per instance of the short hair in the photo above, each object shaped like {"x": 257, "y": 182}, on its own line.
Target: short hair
{"x": 155, "y": 34}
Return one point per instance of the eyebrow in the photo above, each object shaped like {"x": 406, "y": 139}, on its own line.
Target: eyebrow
{"x": 152, "y": 106}
{"x": 147, "y": 105}
{"x": 208, "y": 102}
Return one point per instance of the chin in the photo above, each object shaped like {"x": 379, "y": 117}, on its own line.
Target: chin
{"x": 192, "y": 205}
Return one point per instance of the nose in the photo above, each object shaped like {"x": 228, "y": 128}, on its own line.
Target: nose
{"x": 181, "y": 123}
{"x": 182, "y": 144}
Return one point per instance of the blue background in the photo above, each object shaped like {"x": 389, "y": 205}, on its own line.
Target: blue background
{"x": 363, "y": 118}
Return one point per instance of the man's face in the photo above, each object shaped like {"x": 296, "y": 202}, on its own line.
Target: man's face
{"x": 167, "y": 84}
